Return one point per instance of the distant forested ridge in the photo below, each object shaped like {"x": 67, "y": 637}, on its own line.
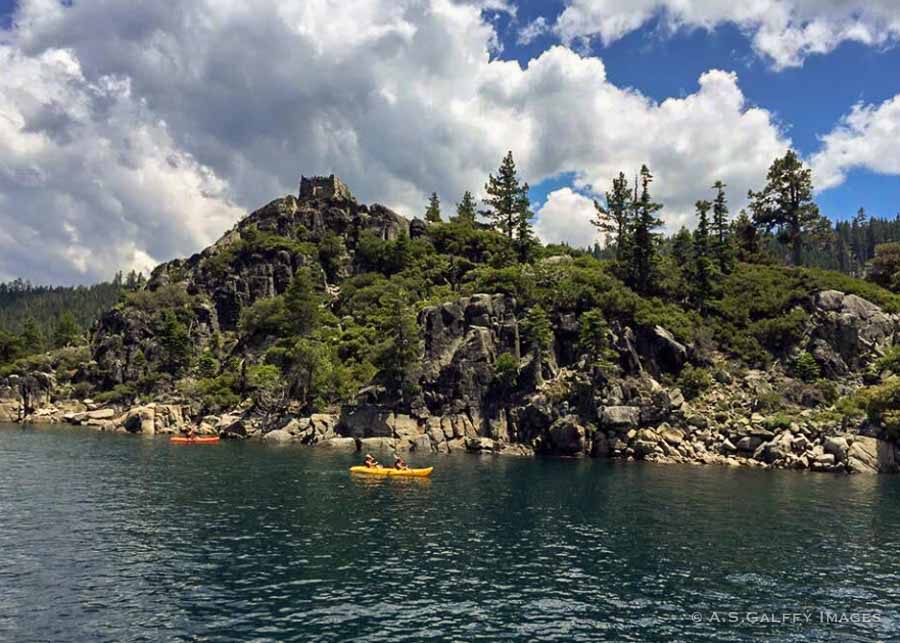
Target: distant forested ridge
{"x": 34, "y": 318}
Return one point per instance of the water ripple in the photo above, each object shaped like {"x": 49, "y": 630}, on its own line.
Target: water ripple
{"x": 106, "y": 537}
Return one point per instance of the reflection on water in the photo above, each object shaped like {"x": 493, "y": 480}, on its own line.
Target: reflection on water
{"x": 119, "y": 538}
{"x": 363, "y": 479}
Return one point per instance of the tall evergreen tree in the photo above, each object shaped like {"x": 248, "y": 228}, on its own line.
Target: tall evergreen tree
{"x": 32, "y": 340}
{"x": 66, "y": 332}
{"x": 786, "y": 204}
{"x": 524, "y": 234}
{"x": 703, "y": 265}
{"x": 721, "y": 230}
{"x": 466, "y": 209}
{"x": 683, "y": 247}
{"x": 644, "y": 255}
{"x": 538, "y": 332}
{"x": 613, "y": 220}
{"x": 400, "y": 351}
{"x": 507, "y": 199}
{"x": 593, "y": 336}
{"x": 175, "y": 342}
{"x": 746, "y": 239}
{"x": 10, "y": 347}
{"x": 301, "y": 303}
{"x": 433, "y": 212}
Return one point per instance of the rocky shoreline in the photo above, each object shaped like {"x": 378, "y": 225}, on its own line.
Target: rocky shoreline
{"x": 745, "y": 417}
{"x": 684, "y": 437}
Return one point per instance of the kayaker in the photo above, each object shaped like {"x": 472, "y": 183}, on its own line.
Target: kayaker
{"x": 190, "y": 434}
{"x": 370, "y": 461}
{"x": 400, "y": 463}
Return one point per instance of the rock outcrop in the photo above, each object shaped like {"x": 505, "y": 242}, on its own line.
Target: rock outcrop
{"x": 462, "y": 342}
{"x": 847, "y": 332}
{"x": 240, "y": 269}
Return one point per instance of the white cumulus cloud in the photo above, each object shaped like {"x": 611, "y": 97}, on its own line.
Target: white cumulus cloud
{"x": 784, "y": 31}
{"x": 867, "y": 138}
{"x": 91, "y": 183}
{"x": 566, "y": 218}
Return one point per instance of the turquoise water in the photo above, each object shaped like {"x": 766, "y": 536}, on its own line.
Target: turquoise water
{"x": 113, "y": 537}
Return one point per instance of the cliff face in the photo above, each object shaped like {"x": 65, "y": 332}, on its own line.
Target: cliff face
{"x": 234, "y": 274}
{"x": 664, "y": 388}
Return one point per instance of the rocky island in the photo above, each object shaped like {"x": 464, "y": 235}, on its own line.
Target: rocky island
{"x": 320, "y": 320}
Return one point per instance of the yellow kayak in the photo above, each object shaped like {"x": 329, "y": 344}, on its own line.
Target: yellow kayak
{"x": 384, "y": 471}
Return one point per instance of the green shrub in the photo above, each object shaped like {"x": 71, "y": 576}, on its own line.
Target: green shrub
{"x": 828, "y": 390}
{"x": 172, "y": 296}
{"x": 770, "y": 401}
{"x": 805, "y": 367}
{"x": 780, "y": 332}
{"x": 506, "y": 372}
{"x": 475, "y": 244}
{"x": 264, "y": 317}
{"x": 118, "y": 394}
{"x": 852, "y": 406}
{"x": 218, "y": 394}
{"x": 254, "y": 241}
{"x": 537, "y": 331}
{"x": 693, "y": 381}
{"x": 207, "y": 365}
{"x": 512, "y": 280}
{"x": 778, "y": 422}
{"x": 882, "y": 405}
{"x": 890, "y": 361}
{"x": 82, "y": 390}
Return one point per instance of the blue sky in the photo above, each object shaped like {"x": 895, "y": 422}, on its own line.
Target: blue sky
{"x": 6, "y": 9}
{"x": 134, "y": 132}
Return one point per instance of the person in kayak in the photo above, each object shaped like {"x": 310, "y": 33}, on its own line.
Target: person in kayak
{"x": 190, "y": 433}
{"x": 370, "y": 461}
{"x": 400, "y": 463}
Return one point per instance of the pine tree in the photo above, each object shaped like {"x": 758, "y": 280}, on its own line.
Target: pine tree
{"x": 301, "y": 302}
{"x": 400, "y": 351}
{"x": 703, "y": 265}
{"x": 682, "y": 247}
{"x": 721, "y": 230}
{"x": 644, "y": 256}
{"x": 466, "y": 209}
{"x": 786, "y": 203}
{"x": 524, "y": 235}
{"x": 66, "y": 332}
{"x": 507, "y": 201}
{"x": 433, "y": 212}
{"x": 32, "y": 341}
{"x": 538, "y": 332}
{"x": 613, "y": 220}
{"x": 175, "y": 342}
{"x": 593, "y": 335}
{"x": 10, "y": 347}
{"x": 747, "y": 239}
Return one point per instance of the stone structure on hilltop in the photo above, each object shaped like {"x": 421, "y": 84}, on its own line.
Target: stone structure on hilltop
{"x": 324, "y": 187}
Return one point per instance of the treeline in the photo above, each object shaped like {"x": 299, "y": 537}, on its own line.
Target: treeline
{"x": 36, "y": 318}
{"x": 782, "y": 224}
{"x": 844, "y": 246}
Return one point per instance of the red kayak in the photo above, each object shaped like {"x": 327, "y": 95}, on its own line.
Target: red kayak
{"x": 204, "y": 440}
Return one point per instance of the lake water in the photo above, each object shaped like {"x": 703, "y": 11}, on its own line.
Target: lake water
{"x": 114, "y": 537}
